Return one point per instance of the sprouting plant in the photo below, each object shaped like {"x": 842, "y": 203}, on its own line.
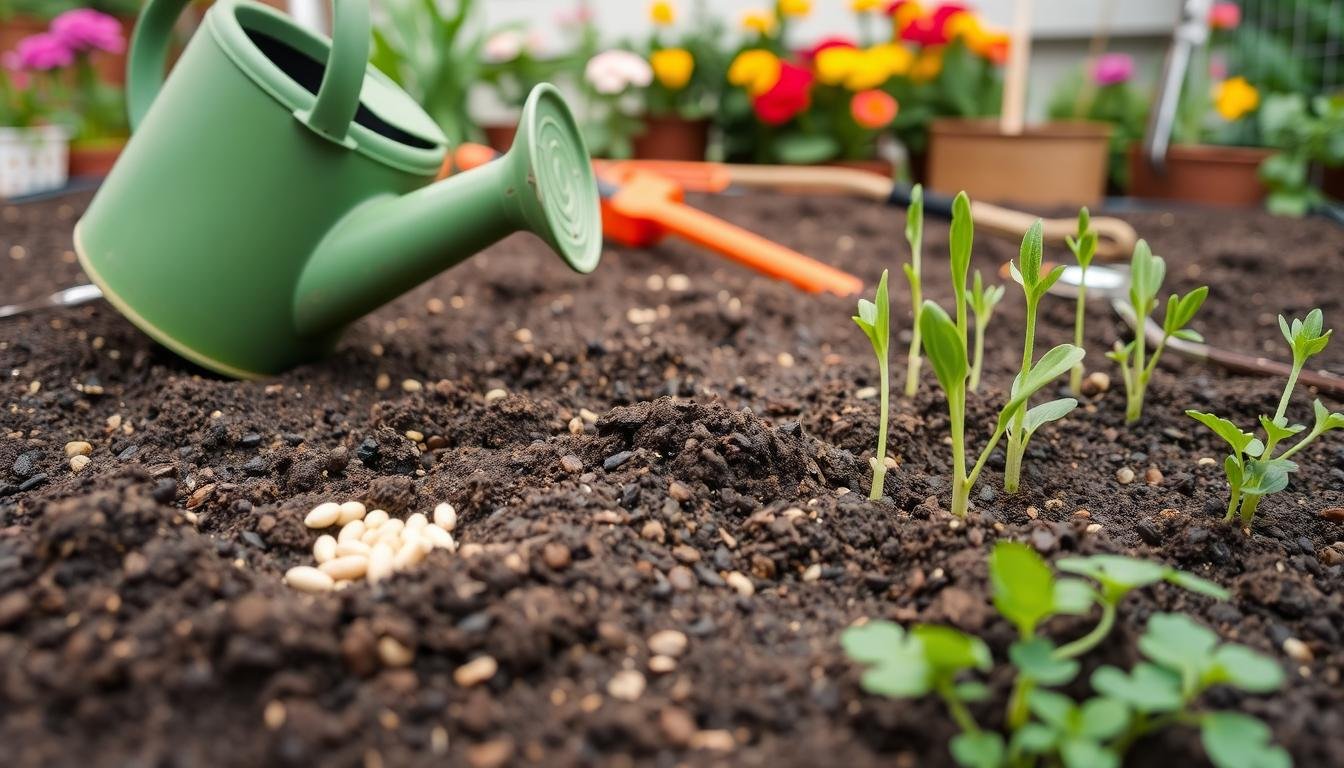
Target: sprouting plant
{"x": 1146, "y": 273}
{"x": 914, "y": 234}
{"x": 945, "y": 346}
{"x": 1084, "y": 247}
{"x": 983, "y": 301}
{"x": 875, "y": 319}
{"x": 1184, "y": 659}
{"x": 1026, "y": 422}
{"x": 1252, "y": 469}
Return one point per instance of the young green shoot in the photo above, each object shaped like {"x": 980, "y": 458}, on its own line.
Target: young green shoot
{"x": 983, "y": 301}
{"x": 961, "y": 236}
{"x": 1084, "y": 247}
{"x": 1026, "y": 421}
{"x": 874, "y": 319}
{"x": 914, "y": 235}
{"x": 1146, "y": 273}
{"x": 1252, "y": 469}
{"x": 1182, "y": 660}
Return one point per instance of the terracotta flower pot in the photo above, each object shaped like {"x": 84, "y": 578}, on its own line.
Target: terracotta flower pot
{"x": 500, "y": 136}
{"x": 95, "y": 158}
{"x": 1222, "y": 176}
{"x": 1055, "y": 164}
{"x": 16, "y": 28}
{"x": 672, "y": 138}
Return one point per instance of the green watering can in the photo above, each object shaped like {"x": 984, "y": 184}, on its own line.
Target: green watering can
{"x": 277, "y": 187}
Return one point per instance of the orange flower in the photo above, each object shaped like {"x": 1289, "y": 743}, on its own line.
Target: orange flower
{"x": 873, "y": 109}
{"x": 928, "y": 64}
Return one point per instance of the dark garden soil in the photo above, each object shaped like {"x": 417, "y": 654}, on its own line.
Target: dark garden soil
{"x": 720, "y": 430}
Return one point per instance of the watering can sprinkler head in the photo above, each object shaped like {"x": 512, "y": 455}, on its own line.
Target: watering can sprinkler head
{"x": 246, "y": 228}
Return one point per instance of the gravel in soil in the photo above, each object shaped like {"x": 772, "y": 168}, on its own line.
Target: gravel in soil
{"x": 659, "y": 472}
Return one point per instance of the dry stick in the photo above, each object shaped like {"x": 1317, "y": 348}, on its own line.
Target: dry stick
{"x": 1012, "y": 117}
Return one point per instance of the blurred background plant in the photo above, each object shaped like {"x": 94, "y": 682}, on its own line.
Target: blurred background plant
{"x": 1304, "y": 133}
{"x": 1106, "y": 93}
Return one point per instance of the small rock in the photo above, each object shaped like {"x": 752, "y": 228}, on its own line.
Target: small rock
{"x": 739, "y": 581}
{"x": 653, "y": 531}
{"x": 1153, "y": 476}
{"x": 77, "y": 448}
{"x": 679, "y": 491}
{"x": 681, "y": 578}
{"x": 626, "y": 685}
{"x": 677, "y": 725}
{"x": 78, "y": 462}
{"x": 571, "y": 464}
{"x": 1333, "y": 514}
{"x": 668, "y": 642}
{"x": 393, "y": 653}
{"x": 556, "y": 556}
{"x": 615, "y": 460}
{"x": 1124, "y": 476}
{"x": 1298, "y": 651}
{"x": 476, "y": 671}
{"x": 1096, "y": 383}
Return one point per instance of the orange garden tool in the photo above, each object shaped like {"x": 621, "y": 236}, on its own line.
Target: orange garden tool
{"x": 1115, "y": 237}
{"x": 640, "y": 207}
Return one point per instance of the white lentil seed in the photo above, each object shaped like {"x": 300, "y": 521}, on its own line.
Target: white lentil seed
{"x": 351, "y": 531}
{"x": 393, "y": 527}
{"x": 323, "y": 515}
{"x": 375, "y": 519}
{"x": 445, "y": 517}
{"x": 440, "y": 538}
{"x": 351, "y": 511}
{"x": 306, "y": 578}
{"x": 324, "y": 548}
{"x": 380, "y": 562}
{"x": 347, "y": 567}
{"x": 415, "y": 521}
{"x": 344, "y": 548}
{"x": 410, "y": 555}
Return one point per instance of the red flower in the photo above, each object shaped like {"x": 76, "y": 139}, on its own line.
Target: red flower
{"x": 945, "y": 11}
{"x": 924, "y": 31}
{"x": 828, "y": 42}
{"x": 791, "y": 95}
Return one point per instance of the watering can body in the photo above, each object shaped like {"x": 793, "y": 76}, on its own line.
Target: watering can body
{"x": 277, "y": 187}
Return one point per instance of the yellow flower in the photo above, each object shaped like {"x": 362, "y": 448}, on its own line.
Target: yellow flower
{"x": 927, "y": 65}
{"x": 834, "y": 64}
{"x": 760, "y": 22}
{"x": 795, "y": 7}
{"x": 662, "y": 13}
{"x": 756, "y": 70}
{"x": 1235, "y": 98}
{"x": 963, "y": 24}
{"x": 865, "y": 6}
{"x": 896, "y": 58}
{"x": 870, "y": 71}
{"x": 672, "y": 67}
{"x": 905, "y": 14}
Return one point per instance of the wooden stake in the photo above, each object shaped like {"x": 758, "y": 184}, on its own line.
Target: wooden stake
{"x": 1012, "y": 114}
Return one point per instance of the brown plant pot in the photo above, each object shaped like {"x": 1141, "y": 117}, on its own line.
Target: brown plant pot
{"x": 1054, "y": 164}
{"x": 500, "y": 137}
{"x": 95, "y": 158}
{"x": 1199, "y": 173}
{"x": 672, "y": 138}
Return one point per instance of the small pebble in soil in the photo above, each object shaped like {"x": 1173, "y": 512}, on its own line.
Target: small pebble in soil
{"x": 1096, "y": 383}
{"x": 476, "y": 671}
{"x": 78, "y": 462}
{"x": 668, "y": 642}
{"x": 393, "y": 653}
{"x": 615, "y": 460}
{"x": 1153, "y": 476}
{"x": 571, "y": 464}
{"x": 445, "y": 516}
{"x": 77, "y": 448}
{"x": 1124, "y": 475}
{"x": 626, "y": 685}
{"x": 1298, "y": 651}
{"x": 741, "y": 583}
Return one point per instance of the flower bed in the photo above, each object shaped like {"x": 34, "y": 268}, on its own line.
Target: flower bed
{"x": 637, "y": 577}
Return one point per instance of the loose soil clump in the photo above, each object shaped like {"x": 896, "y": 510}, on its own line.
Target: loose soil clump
{"x": 659, "y": 472}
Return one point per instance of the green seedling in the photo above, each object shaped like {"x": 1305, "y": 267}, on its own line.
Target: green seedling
{"x": 1183, "y": 660}
{"x": 1252, "y": 469}
{"x": 914, "y": 235}
{"x": 1146, "y": 273}
{"x": 1084, "y": 247}
{"x": 875, "y": 319}
{"x": 983, "y": 301}
{"x": 1027, "y": 421}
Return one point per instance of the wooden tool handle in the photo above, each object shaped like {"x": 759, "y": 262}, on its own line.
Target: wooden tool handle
{"x": 1323, "y": 381}
{"x": 1115, "y": 237}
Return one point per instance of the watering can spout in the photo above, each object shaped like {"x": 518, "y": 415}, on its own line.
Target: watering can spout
{"x": 388, "y": 245}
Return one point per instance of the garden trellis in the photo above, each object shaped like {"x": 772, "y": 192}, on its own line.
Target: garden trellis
{"x": 1291, "y": 45}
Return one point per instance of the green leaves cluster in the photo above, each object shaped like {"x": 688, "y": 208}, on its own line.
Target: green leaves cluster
{"x": 874, "y": 319}
{"x": 1182, "y": 660}
{"x": 1147, "y": 273}
{"x": 1252, "y": 469}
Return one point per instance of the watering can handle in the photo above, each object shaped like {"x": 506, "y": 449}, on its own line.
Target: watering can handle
{"x": 337, "y": 98}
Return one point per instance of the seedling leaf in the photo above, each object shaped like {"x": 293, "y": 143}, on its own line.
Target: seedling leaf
{"x": 961, "y": 237}
{"x": 873, "y": 642}
{"x": 1148, "y": 688}
{"x": 1234, "y": 740}
{"x": 949, "y": 651}
{"x": 1176, "y": 642}
{"x": 978, "y": 750}
{"x": 1035, "y": 659}
{"x": 1235, "y": 437}
{"x": 1045, "y": 413}
{"x": 1102, "y": 718}
{"x": 1266, "y": 476}
{"x": 943, "y": 346}
{"x": 1243, "y": 668}
{"x": 1085, "y": 753}
{"x": 1022, "y": 585}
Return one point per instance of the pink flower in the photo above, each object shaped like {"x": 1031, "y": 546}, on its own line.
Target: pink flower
{"x": 613, "y": 71}
{"x": 1225, "y": 16}
{"x": 85, "y": 29}
{"x": 1113, "y": 69}
{"x": 42, "y": 52}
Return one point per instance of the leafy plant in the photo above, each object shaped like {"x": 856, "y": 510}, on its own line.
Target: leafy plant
{"x": 1084, "y": 247}
{"x": 875, "y": 319}
{"x": 1252, "y": 469}
{"x": 914, "y": 235}
{"x": 1183, "y": 660}
{"x": 945, "y": 346}
{"x": 983, "y": 301}
{"x": 434, "y": 54}
{"x": 1303, "y": 133}
{"x": 1026, "y": 422}
{"x": 1146, "y": 273}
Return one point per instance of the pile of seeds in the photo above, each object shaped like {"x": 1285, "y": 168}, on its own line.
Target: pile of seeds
{"x": 369, "y": 545}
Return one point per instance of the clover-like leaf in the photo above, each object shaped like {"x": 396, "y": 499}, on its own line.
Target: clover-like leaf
{"x": 898, "y": 668}
{"x": 1197, "y": 584}
{"x": 1278, "y": 430}
{"x": 1234, "y": 436}
{"x": 972, "y": 691}
{"x": 1073, "y": 597}
{"x": 1243, "y": 668}
{"x": 1178, "y": 643}
{"x": 944, "y": 346}
{"x": 1266, "y": 476}
{"x": 950, "y": 651}
{"x": 1119, "y": 574}
{"x": 1102, "y": 718}
{"x": 1325, "y": 420}
{"x": 1086, "y": 753}
{"x": 1035, "y": 739}
{"x": 906, "y": 679}
{"x": 1035, "y": 659}
{"x": 1148, "y": 688}
{"x": 1054, "y": 709}
{"x": 1022, "y": 585}
{"x": 1234, "y": 740}
{"x": 978, "y": 750}
{"x": 873, "y": 642}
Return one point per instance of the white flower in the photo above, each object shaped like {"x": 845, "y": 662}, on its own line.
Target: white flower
{"x": 611, "y": 72}
{"x": 503, "y": 46}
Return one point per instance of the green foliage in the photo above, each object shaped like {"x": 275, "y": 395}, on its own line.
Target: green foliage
{"x": 914, "y": 235}
{"x": 1183, "y": 659}
{"x": 1084, "y": 248}
{"x": 1252, "y": 469}
{"x": 1122, "y": 106}
{"x": 1303, "y": 133}
{"x": 983, "y": 301}
{"x": 874, "y": 319}
{"x": 1146, "y": 273}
